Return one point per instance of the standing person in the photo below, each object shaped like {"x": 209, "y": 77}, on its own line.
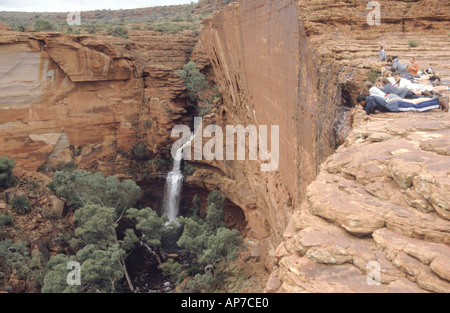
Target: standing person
{"x": 413, "y": 67}
{"x": 382, "y": 54}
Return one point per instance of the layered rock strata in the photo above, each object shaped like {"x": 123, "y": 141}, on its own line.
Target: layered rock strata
{"x": 86, "y": 98}
{"x": 380, "y": 206}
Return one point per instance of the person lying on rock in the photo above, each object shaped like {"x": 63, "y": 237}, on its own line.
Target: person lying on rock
{"x": 390, "y": 93}
{"x": 434, "y": 81}
{"x": 370, "y": 90}
{"x": 401, "y": 68}
{"x": 419, "y": 89}
{"x": 371, "y": 104}
{"x": 404, "y": 93}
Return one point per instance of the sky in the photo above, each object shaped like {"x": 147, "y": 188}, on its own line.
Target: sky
{"x": 81, "y": 5}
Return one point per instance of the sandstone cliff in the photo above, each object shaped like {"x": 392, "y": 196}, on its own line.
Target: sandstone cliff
{"x": 296, "y": 64}
{"x": 381, "y": 199}
{"x": 86, "y": 98}
{"x": 265, "y": 67}
{"x": 299, "y": 65}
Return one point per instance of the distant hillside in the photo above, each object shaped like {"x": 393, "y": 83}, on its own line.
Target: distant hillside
{"x": 170, "y": 19}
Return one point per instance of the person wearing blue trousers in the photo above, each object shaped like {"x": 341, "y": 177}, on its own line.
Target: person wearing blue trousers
{"x": 371, "y": 104}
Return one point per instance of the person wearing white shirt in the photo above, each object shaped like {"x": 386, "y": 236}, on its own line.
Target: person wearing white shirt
{"x": 399, "y": 82}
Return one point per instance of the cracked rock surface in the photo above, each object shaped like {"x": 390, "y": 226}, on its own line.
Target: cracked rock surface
{"x": 380, "y": 205}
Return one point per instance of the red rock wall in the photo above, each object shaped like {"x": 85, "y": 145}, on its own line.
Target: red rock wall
{"x": 297, "y": 64}
{"x": 102, "y": 94}
{"x": 266, "y": 68}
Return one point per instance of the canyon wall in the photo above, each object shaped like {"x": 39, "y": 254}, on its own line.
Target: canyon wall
{"x": 295, "y": 64}
{"x": 88, "y": 98}
{"x": 267, "y": 70}
{"x": 300, "y": 65}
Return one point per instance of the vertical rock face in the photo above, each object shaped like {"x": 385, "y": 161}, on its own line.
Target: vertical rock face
{"x": 267, "y": 69}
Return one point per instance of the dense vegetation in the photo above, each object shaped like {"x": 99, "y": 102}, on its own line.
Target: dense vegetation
{"x": 21, "y": 205}
{"x": 80, "y": 187}
{"x": 212, "y": 245}
{"x": 26, "y": 266}
{"x": 108, "y": 229}
{"x": 101, "y": 252}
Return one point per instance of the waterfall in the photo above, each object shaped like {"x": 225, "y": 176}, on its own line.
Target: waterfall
{"x": 174, "y": 182}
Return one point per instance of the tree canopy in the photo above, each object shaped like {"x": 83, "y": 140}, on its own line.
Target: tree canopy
{"x": 210, "y": 241}
{"x": 101, "y": 253}
{"x": 80, "y": 187}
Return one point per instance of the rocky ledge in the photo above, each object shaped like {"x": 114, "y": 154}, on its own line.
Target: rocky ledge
{"x": 380, "y": 205}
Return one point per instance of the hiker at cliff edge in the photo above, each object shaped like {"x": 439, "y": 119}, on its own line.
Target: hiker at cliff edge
{"x": 401, "y": 92}
{"x": 371, "y": 104}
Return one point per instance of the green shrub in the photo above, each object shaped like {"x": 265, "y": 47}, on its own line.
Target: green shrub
{"x": 6, "y": 220}
{"x": 172, "y": 28}
{"x": 205, "y": 110}
{"x": 119, "y": 32}
{"x": 413, "y": 43}
{"x": 67, "y": 167}
{"x": 34, "y": 184}
{"x": 373, "y": 75}
{"x": 22, "y": 205}
{"x": 49, "y": 214}
{"x": 174, "y": 271}
{"x": 80, "y": 187}
{"x": 158, "y": 164}
{"x": 7, "y": 179}
{"x": 92, "y": 29}
{"x": 42, "y": 25}
{"x": 20, "y": 26}
{"x": 195, "y": 82}
{"x": 140, "y": 151}
{"x": 211, "y": 242}
{"x": 189, "y": 169}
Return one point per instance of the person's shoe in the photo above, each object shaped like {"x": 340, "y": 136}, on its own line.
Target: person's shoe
{"x": 443, "y": 102}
